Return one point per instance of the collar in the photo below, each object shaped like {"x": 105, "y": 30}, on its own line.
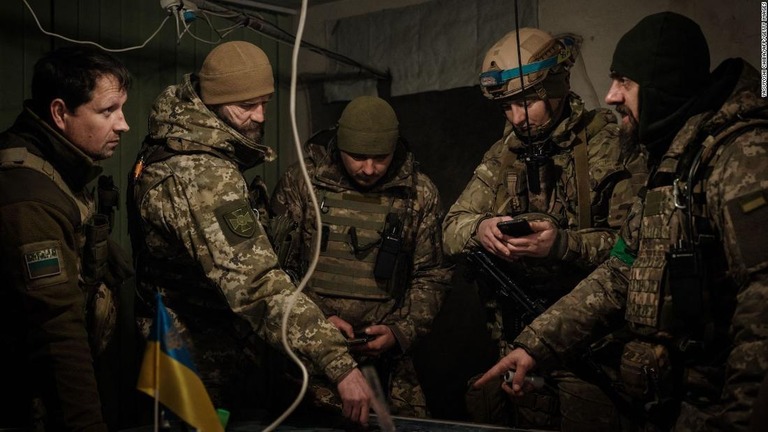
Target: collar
{"x": 75, "y": 167}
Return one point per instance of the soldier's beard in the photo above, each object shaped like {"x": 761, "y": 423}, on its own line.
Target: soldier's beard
{"x": 629, "y": 135}
{"x": 251, "y": 130}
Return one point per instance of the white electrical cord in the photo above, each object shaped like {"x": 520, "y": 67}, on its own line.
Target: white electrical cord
{"x": 318, "y": 225}
{"x": 94, "y": 43}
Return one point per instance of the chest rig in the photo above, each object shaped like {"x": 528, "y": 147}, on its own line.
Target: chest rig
{"x": 536, "y": 184}
{"x": 365, "y": 245}
{"x": 678, "y": 280}
{"x": 92, "y": 231}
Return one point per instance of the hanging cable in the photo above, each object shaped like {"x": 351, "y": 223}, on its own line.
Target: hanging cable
{"x": 268, "y": 29}
{"x": 318, "y": 226}
{"x": 188, "y": 29}
{"x": 90, "y": 42}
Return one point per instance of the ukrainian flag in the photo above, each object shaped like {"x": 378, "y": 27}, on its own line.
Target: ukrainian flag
{"x": 169, "y": 375}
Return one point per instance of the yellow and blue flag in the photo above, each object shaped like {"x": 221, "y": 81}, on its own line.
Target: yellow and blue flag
{"x": 168, "y": 374}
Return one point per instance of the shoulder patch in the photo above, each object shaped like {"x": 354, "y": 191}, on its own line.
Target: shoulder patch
{"x": 745, "y": 214}
{"x": 43, "y": 263}
{"x": 752, "y": 202}
{"x": 237, "y": 221}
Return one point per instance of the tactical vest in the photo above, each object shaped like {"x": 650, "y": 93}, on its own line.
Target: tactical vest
{"x": 353, "y": 229}
{"x": 680, "y": 298}
{"x": 678, "y": 242}
{"x": 92, "y": 231}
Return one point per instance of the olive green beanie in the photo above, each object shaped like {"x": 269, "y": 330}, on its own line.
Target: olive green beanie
{"x": 235, "y": 71}
{"x": 368, "y": 126}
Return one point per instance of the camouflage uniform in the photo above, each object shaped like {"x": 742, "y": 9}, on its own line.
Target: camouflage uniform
{"x": 705, "y": 347}
{"x": 498, "y": 188}
{"x": 408, "y": 309}
{"x": 53, "y": 282}
{"x": 199, "y": 243}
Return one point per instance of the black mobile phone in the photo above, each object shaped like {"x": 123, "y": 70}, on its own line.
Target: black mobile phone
{"x": 360, "y": 338}
{"x": 515, "y": 228}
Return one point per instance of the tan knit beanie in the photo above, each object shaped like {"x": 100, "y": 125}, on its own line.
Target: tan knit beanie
{"x": 235, "y": 72}
{"x": 368, "y": 126}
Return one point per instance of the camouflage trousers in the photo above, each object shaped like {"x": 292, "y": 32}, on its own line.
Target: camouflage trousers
{"x": 405, "y": 395}
{"x": 573, "y": 405}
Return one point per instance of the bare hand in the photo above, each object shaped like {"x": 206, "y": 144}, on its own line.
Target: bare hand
{"x": 355, "y": 397}
{"x": 535, "y": 245}
{"x": 383, "y": 341}
{"x": 517, "y": 360}
{"x": 492, "y": 239}
{"x": 343, "y": 326}
{"x": 511, "y": 248}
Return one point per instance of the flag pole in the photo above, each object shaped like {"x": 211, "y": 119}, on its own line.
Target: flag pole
{"x": 156, "y": 385}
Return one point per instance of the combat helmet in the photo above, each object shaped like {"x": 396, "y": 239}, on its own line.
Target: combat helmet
{"x": 545, "y": 60}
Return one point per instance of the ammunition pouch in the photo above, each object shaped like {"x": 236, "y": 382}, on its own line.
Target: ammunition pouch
{"x": 647, "y": 374}
{"x": 284, "y": 237}
{"x": 95, "y": 250}
{"x": 102, "y": 299}
{"x": 643, "y": 368}
{"x": 101, "y": 317}
{"x": 538, "y": 409}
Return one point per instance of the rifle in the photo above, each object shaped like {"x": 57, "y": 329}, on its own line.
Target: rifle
{"x": 506, "y": 287}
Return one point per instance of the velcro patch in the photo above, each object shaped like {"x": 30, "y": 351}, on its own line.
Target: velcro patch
{"x": 237, "y": 221}
{"x": 43, "y": 263}
{"x": 752, "y": 202}
{"x": 746, "y": 214}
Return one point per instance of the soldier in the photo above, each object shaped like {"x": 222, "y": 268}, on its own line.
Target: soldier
{"x": 559, "y": 167}
{"x": 380, "y": 275}
{"x": 55, "y": 256}
{"x": 198, "y": 241}
{"x": 688, "y": 272}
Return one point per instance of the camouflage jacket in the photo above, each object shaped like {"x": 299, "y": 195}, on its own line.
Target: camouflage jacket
{"x": 200, "y": 244}
{"x": 612, "y": 185}
{"x": 46, "y": 351}
{"x": 410, "y": 191}
{"x": 629, "y": 287}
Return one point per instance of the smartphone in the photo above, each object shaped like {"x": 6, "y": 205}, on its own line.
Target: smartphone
{"x": 515, "y": 228}
{"x": 360, "y": 338}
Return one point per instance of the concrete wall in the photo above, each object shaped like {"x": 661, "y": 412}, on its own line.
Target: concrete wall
{"x": 732, "y": 30}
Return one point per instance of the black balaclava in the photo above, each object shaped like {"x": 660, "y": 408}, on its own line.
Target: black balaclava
{"x": 668, "y": 56}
